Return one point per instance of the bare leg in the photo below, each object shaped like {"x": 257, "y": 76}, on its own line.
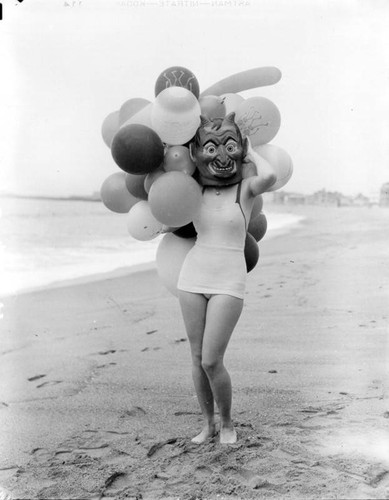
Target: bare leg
{"x": 223, "y": 312}
{"x": 194, "y": 307}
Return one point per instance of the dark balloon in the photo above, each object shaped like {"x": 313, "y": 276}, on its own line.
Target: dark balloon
{"x": 251, "y": 252}
{"x": 177, "y": 76}
{"x": 187, "y": 231}
{"x": 137, "y": 149}
{"x": 258, "y": 226}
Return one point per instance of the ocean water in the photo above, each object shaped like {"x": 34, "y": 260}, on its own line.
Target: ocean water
{"x": 48, "y": 241}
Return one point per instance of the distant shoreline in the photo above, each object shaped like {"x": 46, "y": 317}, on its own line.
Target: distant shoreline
{"x": 92, "y": 197}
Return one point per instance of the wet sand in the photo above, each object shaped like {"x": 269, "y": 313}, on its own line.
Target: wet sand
{"x": 97, "y": 402}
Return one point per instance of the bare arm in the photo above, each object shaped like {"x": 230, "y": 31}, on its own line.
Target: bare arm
{"x": 265, "y": 177}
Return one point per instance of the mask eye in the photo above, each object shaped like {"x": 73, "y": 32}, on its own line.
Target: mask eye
{"x": 210, "y": 149}
{"x": 231, "y": 147}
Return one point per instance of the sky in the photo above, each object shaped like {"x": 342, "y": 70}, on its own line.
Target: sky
{"x": 66, "y": 67}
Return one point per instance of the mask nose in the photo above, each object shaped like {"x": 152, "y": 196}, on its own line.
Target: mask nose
{"x": 222, "y": 154}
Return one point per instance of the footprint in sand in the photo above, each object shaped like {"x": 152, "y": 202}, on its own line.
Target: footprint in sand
{"x": 49, "y": 382}
{"x": 135, "y": 411}
{"x": 89, "y": 443}
{"x": 41, "y": 455}
{"x": 114, "y": 483}
{"x": 36, "y": 377}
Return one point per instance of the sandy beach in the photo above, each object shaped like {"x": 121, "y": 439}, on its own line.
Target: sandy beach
{"x": 97, "y": 401}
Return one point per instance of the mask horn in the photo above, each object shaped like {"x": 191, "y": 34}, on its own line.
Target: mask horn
{"x": 230, "y": 118}
{"x": 205, "y": 122}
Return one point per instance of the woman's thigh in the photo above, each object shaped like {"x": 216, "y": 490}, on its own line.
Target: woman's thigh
{"x": 194, "y": 308}
{"x": 222, "y": 315}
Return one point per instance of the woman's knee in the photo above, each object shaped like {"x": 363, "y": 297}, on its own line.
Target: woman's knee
{"x": 212, "y": 365}
{"x": 196, "y": 360}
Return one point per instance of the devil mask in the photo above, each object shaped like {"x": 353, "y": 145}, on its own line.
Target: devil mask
{"x": 218, "y": 150}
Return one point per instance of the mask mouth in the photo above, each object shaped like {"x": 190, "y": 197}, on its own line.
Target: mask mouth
{"x": 223, "y": 169}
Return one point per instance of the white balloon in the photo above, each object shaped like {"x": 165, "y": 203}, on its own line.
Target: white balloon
{"x": 175, "y": 115}
{"x": 141, "y": 223}
{"x": 231, "y": 101}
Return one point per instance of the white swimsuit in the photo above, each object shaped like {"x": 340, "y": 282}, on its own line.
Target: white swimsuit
{"x": 216, "y": 264}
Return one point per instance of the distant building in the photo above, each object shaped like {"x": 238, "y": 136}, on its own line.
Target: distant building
{"x": 323, "y": 198}
{"x": 384, "y": 195}
{"x": 361, "y": 200}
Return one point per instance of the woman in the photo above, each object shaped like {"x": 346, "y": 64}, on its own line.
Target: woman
{"x": 212, "y": 279}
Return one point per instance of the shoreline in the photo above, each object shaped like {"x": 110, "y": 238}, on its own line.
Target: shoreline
{"x": 132, "y": 268}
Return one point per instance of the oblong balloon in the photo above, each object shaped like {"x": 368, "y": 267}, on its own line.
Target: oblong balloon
{"x": 175, "y": 199}
{"x": 115, "y": 195}
{"x": 131, "y": 107}
{"x": 171, "y": 254}
{"x": 281, "y": 162}
{"x": 245, "y": 80}
{"x": 109, "y": 127}
{"x": 141, "y": 223}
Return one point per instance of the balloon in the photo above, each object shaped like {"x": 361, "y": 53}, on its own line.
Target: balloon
{"x": 136, "y": 185}
{"x": 259, "y": 119}
{"x": 142, "y": 117}
{"x": 175, "y": 115}
{"x": 280, "y": 161}
{"x": 115, "y": 195}
{"x": 177, "y": 76}
{"x": 130, "y": 108}
{"x": 245, "y": 80}
{"x": 258, "y": 226}
{"x": 109, "y": 127}
{"x": 141, "y": 223}
{"x": 151, "y": 177}
{"x": 178, "y": 158}
{"x": 137, "y": 149}
{"x": 170, "y": 256}
{"x": 231, "y": 101}
{"x": 187, "y": 231}
{"x": 212, "y": 106}
{"x": 175, "y": 199}
{"x": 251, "y": 252}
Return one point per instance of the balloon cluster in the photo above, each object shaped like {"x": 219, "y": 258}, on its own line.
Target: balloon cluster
{"x": 149, "y": 143}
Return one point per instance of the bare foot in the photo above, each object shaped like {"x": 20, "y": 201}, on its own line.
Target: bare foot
{"x": 228, "y": 435}
{"x": 208, "y": 432}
